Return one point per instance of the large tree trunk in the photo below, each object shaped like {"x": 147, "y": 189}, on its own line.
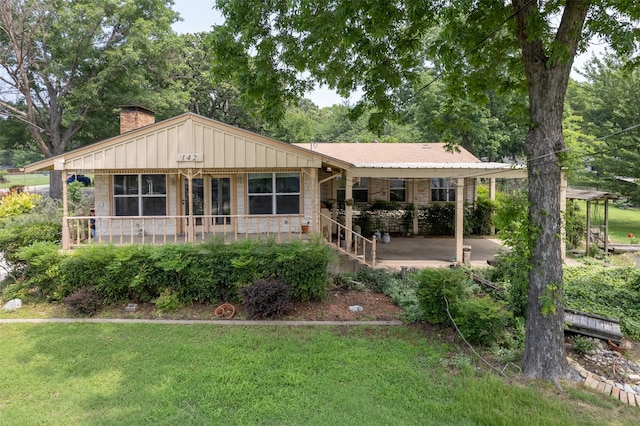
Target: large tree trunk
{"x": 544, "y": 355}
{"x": 547, "y": 68}
{"x": 55, "y": 184}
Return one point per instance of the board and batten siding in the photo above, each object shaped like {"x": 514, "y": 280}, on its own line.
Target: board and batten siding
{"x": 215, "y": 145}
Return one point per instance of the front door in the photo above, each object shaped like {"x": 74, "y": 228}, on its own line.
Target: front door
{"x": 211, "y": 197}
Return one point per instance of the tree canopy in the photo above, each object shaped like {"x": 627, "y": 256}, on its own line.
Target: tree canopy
{"x": 63, "y": 61}
{"x": 277, "y": 50}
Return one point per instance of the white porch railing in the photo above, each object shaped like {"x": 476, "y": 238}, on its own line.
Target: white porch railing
{"x": 120, "y": 230}
{"x": 348, "y": 241}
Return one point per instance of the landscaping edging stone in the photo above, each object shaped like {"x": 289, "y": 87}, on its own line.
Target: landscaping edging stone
{"x": 623, "y": 392}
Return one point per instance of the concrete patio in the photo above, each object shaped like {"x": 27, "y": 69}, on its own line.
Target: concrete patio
{"x": 421, "y": 252}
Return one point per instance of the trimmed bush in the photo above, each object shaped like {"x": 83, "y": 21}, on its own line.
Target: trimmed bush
{"x": 22, "y": 231}
{"x": 168, "y": 301}
{"x": 85, "y": 301}
{"x": 38, "y": 268}
{"x": 434, "y": 284}
{"x": 193, "y": 272}
{"x": 482, "y": 320}
{"x": 267, "y": 298}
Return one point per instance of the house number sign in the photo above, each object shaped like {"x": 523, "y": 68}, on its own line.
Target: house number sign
{"x": 189, "y": 157}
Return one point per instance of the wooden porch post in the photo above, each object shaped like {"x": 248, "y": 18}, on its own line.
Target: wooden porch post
{"x": 315, "y": 203}
{"x": 563, "y": 210}
{"x": 588, "y": 240}
{"x": 606, "y": 227}
{"x": 66, "y": 242}
{"x": 492, "y": 197}
{"x": 348, "y": 209}
{"x": 414, "y": 190}
{"x": 459, "y": 218}
{"x": 191, "y": 235}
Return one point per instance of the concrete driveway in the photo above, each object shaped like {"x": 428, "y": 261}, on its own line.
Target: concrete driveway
{"x": 420, "y": 252}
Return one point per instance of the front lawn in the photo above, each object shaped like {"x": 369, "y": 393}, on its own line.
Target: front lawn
{"x": 88, "y": 373}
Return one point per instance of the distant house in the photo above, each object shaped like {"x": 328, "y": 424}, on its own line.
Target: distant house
{"x": 189, "y": 178}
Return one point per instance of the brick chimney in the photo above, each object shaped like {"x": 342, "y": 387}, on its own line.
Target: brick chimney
{"x": 134, "y": 116}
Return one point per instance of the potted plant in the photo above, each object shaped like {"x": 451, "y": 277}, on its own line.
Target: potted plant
{"x": 304, "y": 228}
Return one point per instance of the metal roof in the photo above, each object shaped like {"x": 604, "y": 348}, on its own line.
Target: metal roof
{"x": 590, "y": 195}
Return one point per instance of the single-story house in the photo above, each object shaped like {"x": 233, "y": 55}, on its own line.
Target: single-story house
{"x": 189, "y": 177}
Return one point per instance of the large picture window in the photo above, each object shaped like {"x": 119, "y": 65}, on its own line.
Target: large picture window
{"x": 397, "y": 190}
{"x": 443, "y": 189}
{"x": 140, "y": 195}
{"x": 359, "y": 190}
{"x": 274, "y": 193}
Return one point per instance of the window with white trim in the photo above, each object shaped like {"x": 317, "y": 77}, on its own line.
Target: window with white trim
{"x": 274, "y": 193}
{"x": 359, "y": 190}
{"x": 397, "y": 190}
{"x": 443, "y": 189}
{"x": 140, "y": 195}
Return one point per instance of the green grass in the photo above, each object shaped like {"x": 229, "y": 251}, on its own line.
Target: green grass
{"x": 25, "y": 180}
{"x": 621, "y": 222}
{"x": 113, "y": 374}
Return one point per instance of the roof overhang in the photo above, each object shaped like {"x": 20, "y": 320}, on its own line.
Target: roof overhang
{"x": 440, "y": 170}
{"x": 590, "y": 195}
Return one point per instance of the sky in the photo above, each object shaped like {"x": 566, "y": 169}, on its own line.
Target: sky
{"x": 199, "y": 15}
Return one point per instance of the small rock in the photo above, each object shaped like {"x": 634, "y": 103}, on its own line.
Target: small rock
{"x": 12, "y": 305}
{"x": 356, "y": 308}
{"x": 634, "y": 377}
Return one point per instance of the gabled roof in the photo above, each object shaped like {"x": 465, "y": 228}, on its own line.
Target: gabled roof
{"x": 185, "y": 141}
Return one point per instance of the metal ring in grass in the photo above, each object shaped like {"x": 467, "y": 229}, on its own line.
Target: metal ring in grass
{"x": 225, "y": 311}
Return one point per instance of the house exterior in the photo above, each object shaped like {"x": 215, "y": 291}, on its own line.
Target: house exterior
{"x": 189, "y": 178}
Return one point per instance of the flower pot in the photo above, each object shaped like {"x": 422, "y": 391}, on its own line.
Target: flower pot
{"x": 305, "y": 229}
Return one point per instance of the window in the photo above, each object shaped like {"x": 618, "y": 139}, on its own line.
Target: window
{"x": 140, "y": 195}
{"x": 360, "y": 190}
{"x": 397, "y": 190}
{"x": 274, "y": 193}
{"x": 443, "y": 189}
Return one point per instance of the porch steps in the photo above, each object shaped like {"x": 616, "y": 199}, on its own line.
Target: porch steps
{"x": 345, "y": 262}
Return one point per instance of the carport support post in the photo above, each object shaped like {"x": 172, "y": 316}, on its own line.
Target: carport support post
{"x": 459, "y": 218}
{"x": 416, "y": 228}
{"x": 492, "y": 197}
{"x": 348, "y": 211}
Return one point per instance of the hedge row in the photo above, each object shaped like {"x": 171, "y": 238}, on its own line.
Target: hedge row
{"x": 207, "y": 272}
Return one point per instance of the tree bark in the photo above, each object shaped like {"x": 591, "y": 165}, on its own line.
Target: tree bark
{"x": 547, "y": 72}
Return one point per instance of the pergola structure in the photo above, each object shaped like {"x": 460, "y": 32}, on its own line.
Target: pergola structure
{"x": 591, "y": 196}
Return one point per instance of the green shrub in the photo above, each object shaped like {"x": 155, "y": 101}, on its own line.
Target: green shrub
{"x": 22, "y": 231}
{"x": 85, "y": 301}
{"x": 441, "y": 218}
{"x": 39, "y": 268}
{"x": 267, "y": 298}
{"x": 436, "y": 284}
{"x": 482, "y": 320}
{"x": 575, "y": 226}
{"x": 582, "y": 344}
{"x": 303, "y": 266}
{"x": 17, "y": 203}
{"x": 168, "y": 301}
{"x": 193, "y": 272}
